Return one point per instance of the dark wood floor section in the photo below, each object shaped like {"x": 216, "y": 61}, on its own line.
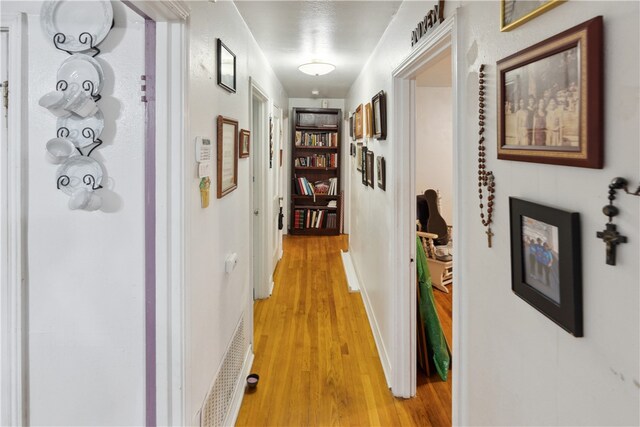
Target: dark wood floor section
{"x": 316, "y": 356}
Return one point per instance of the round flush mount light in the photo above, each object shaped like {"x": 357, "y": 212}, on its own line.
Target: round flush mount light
{"x": 315, "y": 92}
{"x": 317, "y": 68}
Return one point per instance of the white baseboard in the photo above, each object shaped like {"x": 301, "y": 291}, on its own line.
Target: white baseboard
{"x": 350, "y": 272}
{"x": 238, "y": 393}
{"x": 377, "y": 336}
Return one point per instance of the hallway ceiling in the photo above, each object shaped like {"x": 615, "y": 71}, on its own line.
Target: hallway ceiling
{"x": 343, "y": 33}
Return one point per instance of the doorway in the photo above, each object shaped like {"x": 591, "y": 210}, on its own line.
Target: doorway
{"x": 430, "y": 50}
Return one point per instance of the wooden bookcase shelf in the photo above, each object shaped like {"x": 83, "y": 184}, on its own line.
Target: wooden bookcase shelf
{"x": 316, "y": 139}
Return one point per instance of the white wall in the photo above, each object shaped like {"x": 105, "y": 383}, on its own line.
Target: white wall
{"x": 517, "y": 367}
{"x": 345, "y": 159}
{"x": 216, "y": 301}
{"x": 86, "y": 269}
{"x": 434, "y": 154}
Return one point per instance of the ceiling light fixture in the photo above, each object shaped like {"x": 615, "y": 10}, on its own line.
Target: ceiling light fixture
{"x": 315, "y": 92}
{"x": 317, "y": 68}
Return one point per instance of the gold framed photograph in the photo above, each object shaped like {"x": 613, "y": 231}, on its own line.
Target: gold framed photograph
{"x": 358, "y": 124}
{"x": 514, "y": 13}
{"x": 368, "y": 112}
{"x": 227, "y": 165}
{"x": 245, "y": 141}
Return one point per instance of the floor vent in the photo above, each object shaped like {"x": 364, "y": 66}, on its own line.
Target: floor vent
{"x": 218, "y": 401}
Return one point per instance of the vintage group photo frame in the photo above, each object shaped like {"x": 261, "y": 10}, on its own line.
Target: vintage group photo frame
{"x": 514, "y": 13}
{"x": 245, "y": 143}
{"x": 550, "y": 98}
{"x": 226, "y": 66}
{"x": 546, "y": 261}
{"x": 379, "y": 102}
{"x": 227, "y": 164}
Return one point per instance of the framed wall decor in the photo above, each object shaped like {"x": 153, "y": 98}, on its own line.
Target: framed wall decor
{"x": 351, "y": 126}
{"x": 359, "y": 148}
{"x": 382, "y": 173}
{"x": 245, "y": 141}
{"x": 379, "y": 102}
{"x": 514, "y": 13}
{"x": 226, "y": 67}
{"x": 550, "y": 100}
{"x": 363, "y": 165}
{"x": 369, "y": 116}
{"x": 370, "y": 170}
{"x": 227, "y": 166}
{"x": 546, "y": 264}
{"x": 358, "y": 123}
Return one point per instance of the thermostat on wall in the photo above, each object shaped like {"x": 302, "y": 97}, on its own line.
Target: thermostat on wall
{"x": 204, "y": 150}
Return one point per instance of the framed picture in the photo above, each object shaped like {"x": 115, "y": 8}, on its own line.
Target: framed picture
{"x": 363, "y": 165}
{"x": 226, "y": 67}
{"x": 514, "y": 13}
{"x": 359, "y": 149}
{"x": 369, "y": 115}
{"x": 550, "y": 100}
{"x": 351, "y": 126}
{"x": 352, "y": 150}
{"x": 382, "y": 177}
{"x": 370, "y": 166}
{"x": 245, "y": 141}
{"x": 358, "y": 123}
{"x": 546, "y": 264}
{"x": 227, "y": 155}
{"x": 379, "y": 102}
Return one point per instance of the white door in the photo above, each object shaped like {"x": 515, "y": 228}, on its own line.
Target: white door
{"x": 4, "y": 238}
{"x": 258, "y": 179}
{"x": 275, "y": 191}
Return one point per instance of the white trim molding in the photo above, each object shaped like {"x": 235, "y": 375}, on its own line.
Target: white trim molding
{"x": 14, "y": 343}
{"x": 428, "y": 49}
{"x": 163, "y": 11}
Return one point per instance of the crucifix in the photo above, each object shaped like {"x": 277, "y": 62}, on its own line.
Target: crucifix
{"x": 489, "y": 236}
{"x": 610, "y": 235}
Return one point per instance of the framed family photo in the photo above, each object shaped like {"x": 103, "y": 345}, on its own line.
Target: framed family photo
{"x": 514, "y": 13}
{"x": 379, "y": 102}
{"x": 546, "y": 264}
{"x": 550, "y": 100}
{"x": 226, "y": 67}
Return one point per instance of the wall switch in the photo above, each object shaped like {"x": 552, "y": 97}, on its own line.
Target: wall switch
{"x": 230, "y": 262}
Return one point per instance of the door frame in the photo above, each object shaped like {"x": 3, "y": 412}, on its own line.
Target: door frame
{"x": 446, "y": 36}
{"x": 263, "y": 288}
{"x": 13, "y": 340}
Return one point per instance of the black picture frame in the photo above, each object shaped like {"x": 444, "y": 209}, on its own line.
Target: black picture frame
{"x": 363, "y": 165}
{"x": 546, "y": 261}
{"x": 550, "y": 100}
{"x": 226, "y": 71}
{"x": 370, "y": 168}
{"x": 351, "y": 127}
{"x": 379, "y": 102}
{"x": 382, "y": 173}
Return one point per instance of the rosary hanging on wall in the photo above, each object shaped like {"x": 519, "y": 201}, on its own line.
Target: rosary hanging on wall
{"x": 485, "y": 177}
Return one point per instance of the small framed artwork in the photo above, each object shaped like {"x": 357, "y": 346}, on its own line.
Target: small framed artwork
{"x": 382, "y": 178}
{"x": 379, "y": 102}
{"x": 369, "y": 116}
{"x": 514, "y": 13}
{"x": 363, "y": 166}
{"x": 546, "y": 264}
{"x": 351, "y": 126}
{"x": 358, "y": 123}
{"x": 226, "y": 67}
{"x": 359, "y": 148}
{"x": 550, "y": 100}
{"x": 370, "y": 170}
{"x": 352, "y": 150}
{"x": 227, "y": 156}
{"x": 245, "y": 141}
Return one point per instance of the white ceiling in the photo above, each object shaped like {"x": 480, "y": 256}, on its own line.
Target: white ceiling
{"x": 343, "y": 33}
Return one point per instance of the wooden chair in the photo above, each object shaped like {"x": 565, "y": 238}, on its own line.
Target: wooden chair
{"x": 441, "y": 271}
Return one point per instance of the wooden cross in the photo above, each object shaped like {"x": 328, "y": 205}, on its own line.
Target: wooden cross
{"x": 489, "y": 235}
{"x": 612, "y": 239}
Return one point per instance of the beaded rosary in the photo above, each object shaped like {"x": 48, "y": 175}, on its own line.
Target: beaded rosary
{"x": 485, "y": 178}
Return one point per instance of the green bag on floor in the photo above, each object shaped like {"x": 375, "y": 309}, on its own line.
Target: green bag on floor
{"x": 428, "y": 314}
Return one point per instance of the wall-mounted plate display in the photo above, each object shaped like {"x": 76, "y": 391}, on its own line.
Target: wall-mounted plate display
{"x": 82, "y": 24}
{"x": 83, "y": 70}
{"x": 79, "y": 172}
{"x": 82, "y": 131}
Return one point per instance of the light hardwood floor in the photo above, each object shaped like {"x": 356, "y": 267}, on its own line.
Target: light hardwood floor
{"x": 316, "y": 356}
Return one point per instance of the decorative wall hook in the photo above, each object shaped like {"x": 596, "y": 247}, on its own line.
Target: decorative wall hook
{"x": 610, "y": 235}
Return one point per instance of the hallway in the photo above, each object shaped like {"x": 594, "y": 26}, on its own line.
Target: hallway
{"x": 316, "y": 356}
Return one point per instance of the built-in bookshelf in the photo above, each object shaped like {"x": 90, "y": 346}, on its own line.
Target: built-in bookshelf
{"x": 315, "y": 171}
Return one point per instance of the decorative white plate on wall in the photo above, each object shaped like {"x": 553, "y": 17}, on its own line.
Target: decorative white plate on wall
{"x": 73, "y": 19}
{"x": 79, "y": 172}
{"x": 83, "y": 70}
{"x": 81, "y": 131}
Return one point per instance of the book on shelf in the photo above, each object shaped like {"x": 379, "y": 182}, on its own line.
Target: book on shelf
{"x": 329, "y": 160}
{"x": 317, "y": 139}
{"x": 314, "y": 218}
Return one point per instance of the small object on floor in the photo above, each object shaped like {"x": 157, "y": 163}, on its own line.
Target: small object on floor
{"x": 252, "y": 380}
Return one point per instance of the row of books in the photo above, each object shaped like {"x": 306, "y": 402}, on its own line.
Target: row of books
{"x": 329, "y": 160}
{"x": 325, "y": 186}
{"x": 314, "y": 218}
{"x": 304, "y": 139}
